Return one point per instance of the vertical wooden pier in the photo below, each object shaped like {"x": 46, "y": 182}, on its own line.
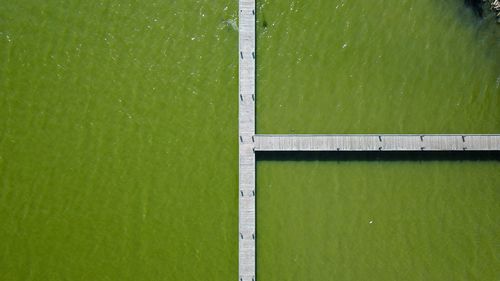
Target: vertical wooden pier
{"x": 246, "y": 128}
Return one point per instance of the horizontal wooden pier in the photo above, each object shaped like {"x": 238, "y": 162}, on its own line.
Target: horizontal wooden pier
{"x": 381, "y": 142}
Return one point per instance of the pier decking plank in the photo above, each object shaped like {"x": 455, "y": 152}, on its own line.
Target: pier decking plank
{"x": 246, "y": 129}
{"x": 381, "y": 142}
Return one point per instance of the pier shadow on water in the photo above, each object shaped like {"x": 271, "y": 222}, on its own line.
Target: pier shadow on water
{"x": 418, "y": 156}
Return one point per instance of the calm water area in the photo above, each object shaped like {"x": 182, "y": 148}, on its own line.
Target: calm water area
{"x": 377, "y": 220}
{"x": 118, "y": 140}
{"x": 396, "y": 66}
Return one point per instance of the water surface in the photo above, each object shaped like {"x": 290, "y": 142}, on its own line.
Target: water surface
{"x": 397, "y": 66}
{"x": 378, "y": 220}
{"x": 118, "y": 147}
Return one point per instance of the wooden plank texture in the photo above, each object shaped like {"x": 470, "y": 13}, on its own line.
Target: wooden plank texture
{"x": 246, "y": 129}
{"x": 377, "y": 142}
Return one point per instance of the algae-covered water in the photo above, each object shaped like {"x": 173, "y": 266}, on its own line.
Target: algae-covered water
{"x": 396, "y": 66}
{"x": 352, "y": 66}
{"x": 118, "y": 147}
{"x": 371, "y": 220}
{"x": 118, "y": 140}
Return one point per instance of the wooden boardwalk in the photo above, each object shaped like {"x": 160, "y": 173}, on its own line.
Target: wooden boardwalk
{"x": 377, "y": 142}
{"x": 246, "y": 129}
{"x": 250, "y": 143}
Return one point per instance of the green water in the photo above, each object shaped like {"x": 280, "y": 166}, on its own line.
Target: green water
{"x": 118, "y": 147}
{"x": 352, "y": 66}
{"x": 396, "y": 66}
{"x": 366, "y": 220}
{"x": 118, "y": 140}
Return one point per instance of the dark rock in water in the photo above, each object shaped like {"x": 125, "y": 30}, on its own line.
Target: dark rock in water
{"x": 476, "y": 6}
{"x": 495, "y": 7}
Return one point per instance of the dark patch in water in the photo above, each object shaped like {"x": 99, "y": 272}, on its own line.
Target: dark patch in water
{"x": 476, "y": 6}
